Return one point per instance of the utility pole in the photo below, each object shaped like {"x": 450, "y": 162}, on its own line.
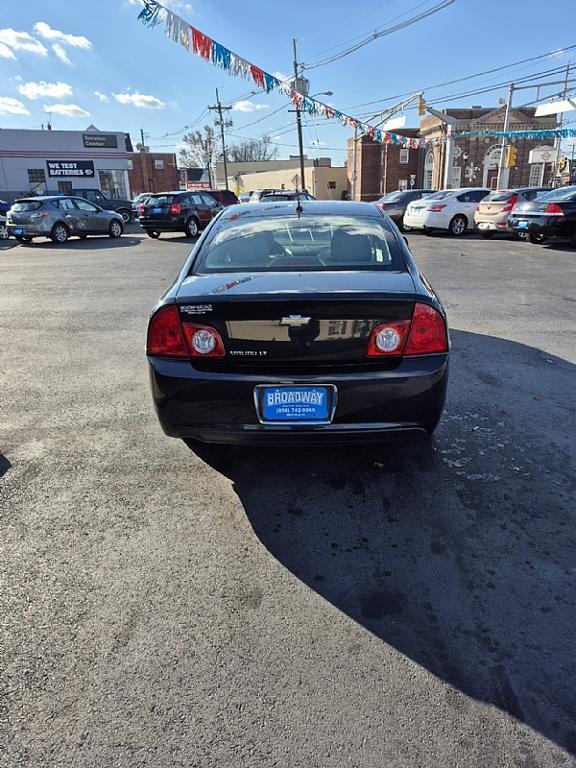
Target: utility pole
{"x": 223, "y": 124}
{"x": 504, "y": 139}
{"x": 354, "y": 164}
{"x": 299, "y": 120}
{"x": 559, "y": 145}
{"x": 142, "y": 142}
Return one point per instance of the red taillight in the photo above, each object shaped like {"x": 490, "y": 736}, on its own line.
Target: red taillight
{"x": 203, "y": 341}
{"x": 554, "y": 208}
{"x": 175, "y": 209}
{"x": 427, "y": 332}
{"x": 510, "y": 204}
{"x": 165, "y": 337}
{"x": 437, "y": 207}
{"x": 383, "y": 206}
{"x": 388, "y": 339}
{"x": 142, "y": 209}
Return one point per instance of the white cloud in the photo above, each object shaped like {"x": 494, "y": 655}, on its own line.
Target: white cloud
{"x": 282, "y": 76}
{"x": 17, "y": 78}
{"x": 101, "y": 96}
{"x": 67, "y": 110}
{"x": 52, "y": 90}
{"x": 22, "y": 41}
{"x": 76, "y": 41}
{"x": 10, "y": 106}
{"x": 5, "y": 52}
{"x": 139, "y": 100}
{"x": 61, "y": 53}
{"x": 248, "y": 106}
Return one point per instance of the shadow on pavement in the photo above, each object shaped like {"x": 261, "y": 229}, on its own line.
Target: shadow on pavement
{"x": 92, "y": 243}
{"x": 4, "y": 465}
{"x": 460, "y": 555}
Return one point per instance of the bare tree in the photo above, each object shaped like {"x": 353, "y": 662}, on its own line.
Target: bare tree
{"x": 251, "y": 150}
{"x": 199, "y": 150}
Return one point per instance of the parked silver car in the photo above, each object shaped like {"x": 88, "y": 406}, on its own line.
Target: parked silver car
{"x": 58, "y": 217}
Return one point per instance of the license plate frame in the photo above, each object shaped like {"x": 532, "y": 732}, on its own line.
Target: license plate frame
{"x": 484, "y": 225}
{"x": 296, "y": 413}
{"x": 522, "y": 224}
{"x": 19, "y": 231}
{"x": 156, "y": 211}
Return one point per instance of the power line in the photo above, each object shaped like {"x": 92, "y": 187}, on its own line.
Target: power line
{"x": 468, "y": 77}
{"x": 376, "y": 34}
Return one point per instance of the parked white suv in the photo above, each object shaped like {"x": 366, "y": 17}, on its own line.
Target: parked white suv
{"x": 450, "y": 209}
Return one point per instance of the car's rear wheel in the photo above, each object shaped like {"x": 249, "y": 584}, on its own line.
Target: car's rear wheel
{"x": 153, "y": 233}
{"x": 126, "y": 215}
{"x": 191, "y": 227}
{"x": 519, "y": 236}
{"x": 535, "y": 239}
{"x": 59, "y": 233}
{"x": 23, "y": 238}
{"x": 4, "y": 232}
{"x": 115, "y": 229}
{"x": 457, "y": 226}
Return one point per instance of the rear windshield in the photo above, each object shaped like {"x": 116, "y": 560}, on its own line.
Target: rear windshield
{"x": 440, "y": 195}
{"x": 27, "y": 205}
{"x": 563, "y": 193}
{"x": 159, "y": 200}
{"x": 500, "y": 197}
{"x": 393, "y": 197}
{"x": 292, "y": 244}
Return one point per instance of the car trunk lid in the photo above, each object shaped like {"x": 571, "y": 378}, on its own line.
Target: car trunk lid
{"x": 294, "y": 322}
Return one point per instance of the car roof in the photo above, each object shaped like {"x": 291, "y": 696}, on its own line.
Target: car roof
{"x": 317, "y": 207}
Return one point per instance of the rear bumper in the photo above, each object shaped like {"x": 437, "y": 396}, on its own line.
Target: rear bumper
{"x": 174, "y": 225}
{"x": 548, "y": 226}
{"x": 28, "y": 230}
{"x": 219, "y": 408}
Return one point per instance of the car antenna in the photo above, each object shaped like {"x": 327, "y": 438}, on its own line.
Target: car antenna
{"x": 299, "y": 208}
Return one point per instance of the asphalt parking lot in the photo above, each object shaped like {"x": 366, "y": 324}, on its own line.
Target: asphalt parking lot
{"x": 395, "y": 606}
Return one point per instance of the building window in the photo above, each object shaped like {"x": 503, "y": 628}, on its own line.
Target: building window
{"x": 536, "y": 175}
{"x": 113, "y": 183}
{"x": 331, "y": 185}
{"x": 429, "y": 170}
{"x": 65, "y": 186}
{"x": 36, "y": 175}
{"x": 130, "y": 165}
{"x": 404, "y": 156}
{"x": 159, "y": 165}
{"x": 403, "y": 183}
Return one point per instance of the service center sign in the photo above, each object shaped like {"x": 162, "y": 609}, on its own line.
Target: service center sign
{"x": 83, "y": 168}
{"x": 101, "y": 140}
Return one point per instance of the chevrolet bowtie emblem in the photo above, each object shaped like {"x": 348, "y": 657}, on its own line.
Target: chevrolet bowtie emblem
{"x": 295, "y": 320}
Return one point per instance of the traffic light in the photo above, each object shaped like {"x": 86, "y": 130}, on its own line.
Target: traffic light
{"x": 563, "y": 164}
{"x": 511, "y": 156}
{"x": 421, "y": 106}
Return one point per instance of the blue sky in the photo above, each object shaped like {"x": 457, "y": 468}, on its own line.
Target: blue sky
{"x": 91, "y": 61}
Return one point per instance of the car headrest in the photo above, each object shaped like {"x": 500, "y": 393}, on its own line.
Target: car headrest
{"x": 346, "y": 247}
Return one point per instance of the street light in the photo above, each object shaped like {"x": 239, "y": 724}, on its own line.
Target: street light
{"x": 323, "y": 93}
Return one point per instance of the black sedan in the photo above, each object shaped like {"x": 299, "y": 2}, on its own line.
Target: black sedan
{"x": 395, "y": 203}
{"x": 298, "y": 323}
{"x": 551, "y": 215}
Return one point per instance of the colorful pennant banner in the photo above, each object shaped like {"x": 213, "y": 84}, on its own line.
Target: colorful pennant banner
{"x": 313, "y": 107}
{"x": 544, "y": 133}
{"x": 179, "y": 31}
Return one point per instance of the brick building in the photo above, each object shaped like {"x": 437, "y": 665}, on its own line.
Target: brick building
{"x": 381, "y": 168}
{"x": 476, "y": 158}
{"x": 152, "y": 172}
